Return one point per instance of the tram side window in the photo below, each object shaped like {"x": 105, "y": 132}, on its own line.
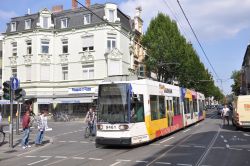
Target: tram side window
{"x": 191, "y": 109}
{"x": 186, "y": 106}
{"x": 138, "y": 107}
{"x": 162, "y": 107}
{"x": 153, "y": 107}
{"x": 157, "y": 107}
{"x": 195, "y": 105}
{"x": 176, "y": 106}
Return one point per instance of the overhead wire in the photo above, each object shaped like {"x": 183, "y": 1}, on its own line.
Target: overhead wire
{"x": 199, "y": 43}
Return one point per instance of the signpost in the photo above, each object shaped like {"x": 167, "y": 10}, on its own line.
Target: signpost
{"x": 14, "y": 85}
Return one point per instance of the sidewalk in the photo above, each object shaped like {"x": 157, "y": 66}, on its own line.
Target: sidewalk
{"x": 6, "y": 152}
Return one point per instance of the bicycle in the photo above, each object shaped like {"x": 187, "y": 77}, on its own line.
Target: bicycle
{"x": 89, "y": 130}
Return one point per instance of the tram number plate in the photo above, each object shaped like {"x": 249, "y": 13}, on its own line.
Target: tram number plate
{"x": 111, "y": 127}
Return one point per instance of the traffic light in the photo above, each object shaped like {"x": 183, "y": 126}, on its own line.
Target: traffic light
{"x": 18, "y": 93}
{"x": 6, "y": 90}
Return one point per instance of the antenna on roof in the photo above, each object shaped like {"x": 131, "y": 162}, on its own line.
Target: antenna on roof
{"x": 28, "y": 11}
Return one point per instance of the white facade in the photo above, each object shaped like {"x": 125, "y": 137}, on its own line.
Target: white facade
{"x": 49, "y": 71}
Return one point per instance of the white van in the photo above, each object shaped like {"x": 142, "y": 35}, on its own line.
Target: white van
{"x": 241, "y": 112}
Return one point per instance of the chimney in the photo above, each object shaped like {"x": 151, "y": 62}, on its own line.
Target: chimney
{"x": 87, "y": 3}
{"x": 138, "y": 11}
{"x": 28, "y": 12}
{"x": 57, "y": 8}
{"x": 74, "y": 4}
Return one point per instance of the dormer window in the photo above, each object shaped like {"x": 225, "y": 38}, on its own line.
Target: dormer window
{"x": 111, "y": 15}
{"x": 13, "y": 26}
{"x": 86, "y": 19}
{"x": 64, "y": 23}
{"x": 28, "y": 24}
{"x": 45, "y": 22}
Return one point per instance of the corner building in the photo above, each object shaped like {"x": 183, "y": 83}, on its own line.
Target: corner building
{"x": 60, "y": 56}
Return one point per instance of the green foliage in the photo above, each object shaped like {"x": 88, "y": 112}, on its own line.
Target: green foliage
{"x": 236, "y": 76}
{"x": 171, "y": 56}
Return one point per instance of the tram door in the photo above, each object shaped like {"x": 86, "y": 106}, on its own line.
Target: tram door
{"x": 169, "y": 109}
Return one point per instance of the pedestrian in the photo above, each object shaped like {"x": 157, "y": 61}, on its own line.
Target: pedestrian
{"x": 90, "y": 119}
{"x": 42, "y": 125}
{"x": 1, "y": 118}
{"x": 225, "y": 114}
{"x": 26, "y": 129}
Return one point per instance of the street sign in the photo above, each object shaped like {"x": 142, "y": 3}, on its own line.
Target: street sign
{"x": 14, "y": 83}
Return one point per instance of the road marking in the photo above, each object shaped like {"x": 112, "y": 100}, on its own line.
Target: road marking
{"x": 72, "y": 141}
{"x": 83, "y": 142}
{"x": 97, "y": 159}
{"x": 166, "y": 140}
{"x": 222, "y": 136}
{"x": 78, "y": 158}
{"x": 168, "y": 145}
{"x": 218, "y": 147}
{"x": 154, "y": 144}
{"x": 185, "y": 164}
{"x": 118, "y": 162}
{"x": 234, "y": 148}
{"x": 197, "y": 124}
{"x": 141, "y": 161}
{"x": 185, "y": 146}
{"x": 62, "y": 141}
{"x": 227, "y": 145}
{"x": 38, "y": 161}
{"x": 61, "y": 157}
{"x": 163, "y": 163}
{"x": 246, "y": 134}
{"x": 199, "y": 146}
{"x": 45, "y": 156}
{"x": 225, "y": 140}
{"x": 30, "y": 156}
{"x": 186, "y": 130}
{"x": 123, "y": 160}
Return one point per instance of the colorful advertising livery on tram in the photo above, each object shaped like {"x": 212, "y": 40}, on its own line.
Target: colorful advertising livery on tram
{"x": 138, "y": 111}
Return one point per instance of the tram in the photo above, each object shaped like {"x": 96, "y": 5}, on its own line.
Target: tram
{"x": 139, "y": 111}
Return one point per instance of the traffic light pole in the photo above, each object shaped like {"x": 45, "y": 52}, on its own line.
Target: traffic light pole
{"x": 18, "y": 117}
{"x": 11, "y": 117}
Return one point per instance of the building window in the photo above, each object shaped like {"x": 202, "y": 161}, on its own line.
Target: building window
{"x": 64, "y": 23}
{"x": 86, "y": 19}
{"x": 45, "y": 22}
{"x": 111, "y": 15}
{"x": 111, "y": 43}
{"x": 29, "y": 47}
{"x": 14, "y": 49}
{"x": 28, "y": 24}
{"x": 45, "y": 46}
{"x": 88, "y": 43}
{"x": 13, "y": 26}
{"x": 65, "y": 46}
{"x": 88, "y": 71}
{"x": 14, "y": 71}
{"x": 28, "y": 73}
{"x": 45, "y": 73}
{"x": 65, "y": 72}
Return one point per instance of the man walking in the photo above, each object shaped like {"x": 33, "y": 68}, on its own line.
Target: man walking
{"x": 225, "y": 114}
{"x": 26, "y": 129}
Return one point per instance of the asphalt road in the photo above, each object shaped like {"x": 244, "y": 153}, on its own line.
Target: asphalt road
{"x": 207, "y": 143}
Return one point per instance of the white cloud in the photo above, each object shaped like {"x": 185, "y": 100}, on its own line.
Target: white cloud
{"x": 211, "y": 19}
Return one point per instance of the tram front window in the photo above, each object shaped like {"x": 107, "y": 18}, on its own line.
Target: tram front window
{"x": 113, "y": 105}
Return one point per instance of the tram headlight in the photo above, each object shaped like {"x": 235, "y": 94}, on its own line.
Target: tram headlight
{"x": 99, "y": 127}
{"x": 123, "y": 127}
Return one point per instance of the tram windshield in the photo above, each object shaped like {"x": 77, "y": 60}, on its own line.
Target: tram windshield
{"x": 113, "y": 103}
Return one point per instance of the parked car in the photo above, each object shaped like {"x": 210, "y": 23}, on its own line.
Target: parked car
{"x": 219, "y": 109}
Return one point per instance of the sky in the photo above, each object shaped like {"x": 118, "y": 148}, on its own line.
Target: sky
{"x": 222, "y": 26}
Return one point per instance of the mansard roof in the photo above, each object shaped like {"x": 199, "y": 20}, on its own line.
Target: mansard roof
{"x": 74, "y": 16}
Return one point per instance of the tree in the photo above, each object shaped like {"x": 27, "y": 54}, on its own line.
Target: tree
{"x": 171, "y": 56}
{"x": 236, "y": 76}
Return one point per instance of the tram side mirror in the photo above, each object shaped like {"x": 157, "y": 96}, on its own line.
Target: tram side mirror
{"x": 135, "y": 97}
